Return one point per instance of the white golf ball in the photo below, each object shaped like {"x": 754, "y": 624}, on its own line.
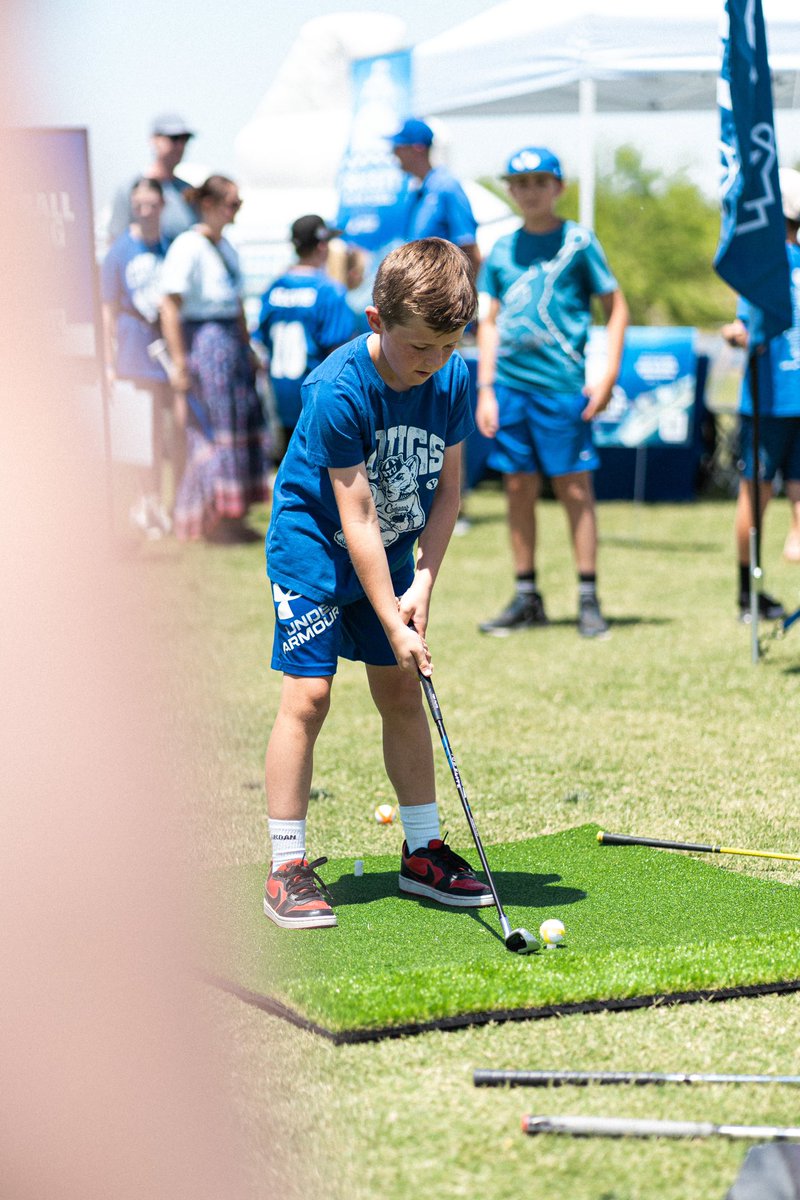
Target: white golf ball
{"x": 385, "y": 814}
{"x": 552, "y": 932}
{"x": 358, "y": 866}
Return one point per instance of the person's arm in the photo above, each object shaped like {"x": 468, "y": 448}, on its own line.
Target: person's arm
{"x": 434, "y": 540}
{"x": 362, "y": 533}
{"x": 172, "y": 329}
{"x": 488, "y": 338}
{"x": 474, "y": 255}
{"x": 735, "y": 334}
{"x": 599, "y": 393}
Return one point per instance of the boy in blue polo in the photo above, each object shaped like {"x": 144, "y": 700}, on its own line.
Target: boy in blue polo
{"x": 363, "y": 508}
{"x": 532, "y": 394}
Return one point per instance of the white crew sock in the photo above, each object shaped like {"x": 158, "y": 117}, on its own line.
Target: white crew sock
{"x": 420, "y": 824}
{"x": 288, "y": 840}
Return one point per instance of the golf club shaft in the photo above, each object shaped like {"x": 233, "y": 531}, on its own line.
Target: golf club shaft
{"x": 583, "y": 1078}
{"x": 623, "y": 839}
{"x": 436, "y": 713}
{"x": 615, "y": 1127}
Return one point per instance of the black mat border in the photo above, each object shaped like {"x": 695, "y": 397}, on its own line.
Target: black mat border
{"x": 351, "y": 1037}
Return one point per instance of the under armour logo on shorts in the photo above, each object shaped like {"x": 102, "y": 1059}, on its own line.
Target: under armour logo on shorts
{"x": 283, "y": 600}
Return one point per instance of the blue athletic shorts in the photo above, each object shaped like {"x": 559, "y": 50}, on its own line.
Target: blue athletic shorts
{"x": 542, "y": 432}
{"x": 310, "y": 637}
{"x": 778, "y": 449}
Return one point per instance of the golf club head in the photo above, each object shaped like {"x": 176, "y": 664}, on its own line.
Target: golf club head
{"x": 519, "y": 941}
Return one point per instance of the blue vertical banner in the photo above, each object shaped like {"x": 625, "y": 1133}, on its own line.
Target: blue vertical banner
{"x": 751, "y": 255}
{"x": 372, "y": 187}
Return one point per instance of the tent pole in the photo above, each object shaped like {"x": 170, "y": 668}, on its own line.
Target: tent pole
{"x": 587, "y": 107}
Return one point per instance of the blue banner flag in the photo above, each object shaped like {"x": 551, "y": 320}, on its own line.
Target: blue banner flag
{"x": 751, "y": 255}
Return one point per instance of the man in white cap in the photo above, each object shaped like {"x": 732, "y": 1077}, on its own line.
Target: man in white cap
{"x": 779, "y": 413}
{"x": 169, "y": 137}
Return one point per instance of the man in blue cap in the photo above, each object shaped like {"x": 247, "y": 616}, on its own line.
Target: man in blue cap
{"x": 533, "y": 399}
{"x": 438, "y": 205}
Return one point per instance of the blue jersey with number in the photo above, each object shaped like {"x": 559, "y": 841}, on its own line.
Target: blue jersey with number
{"x": 349, "y": 416}
{"x": 545, "y": 282}
{"x": 439, "y": 208}
{"x": 304, "y": 315}
{"x": 779, "y": 365}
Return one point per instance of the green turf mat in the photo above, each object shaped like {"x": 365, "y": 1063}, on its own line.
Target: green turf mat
{"x": 640, "y": 923}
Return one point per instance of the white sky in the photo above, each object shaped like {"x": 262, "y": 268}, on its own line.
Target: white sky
{"x": 111, "y": 66}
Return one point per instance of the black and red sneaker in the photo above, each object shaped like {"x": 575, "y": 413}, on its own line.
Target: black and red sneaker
{"x": 296, "y": 898}
{"x": 439, "y": 873}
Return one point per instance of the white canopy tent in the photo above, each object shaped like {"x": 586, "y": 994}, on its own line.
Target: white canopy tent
{"x": 593, "y": 56}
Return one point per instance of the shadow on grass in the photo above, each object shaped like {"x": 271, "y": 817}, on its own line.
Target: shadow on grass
{"x": 515, "y": 888}
{"x": 637, "y": 543}
{"x": 613, "y": 622}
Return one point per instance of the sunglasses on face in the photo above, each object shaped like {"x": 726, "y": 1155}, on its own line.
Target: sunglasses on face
{"x": 177, "y": 137}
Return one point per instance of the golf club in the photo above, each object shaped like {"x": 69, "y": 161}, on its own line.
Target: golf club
{"x": 519, "y": 941}
{"x": 583, "y": 1078}
{"x": 642, "y": 1128}
{"x": 623, "y": 839}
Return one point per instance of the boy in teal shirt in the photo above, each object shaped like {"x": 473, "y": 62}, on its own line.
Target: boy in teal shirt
{"x": 532, "y": 394}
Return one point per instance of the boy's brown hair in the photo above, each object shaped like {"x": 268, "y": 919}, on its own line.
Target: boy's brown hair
{"x": 429, "y": 279}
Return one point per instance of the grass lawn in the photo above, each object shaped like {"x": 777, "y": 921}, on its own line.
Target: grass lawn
{"x": 666, "y": 729}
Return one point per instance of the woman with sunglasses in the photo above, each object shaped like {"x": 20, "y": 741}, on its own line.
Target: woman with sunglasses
{"x": 228, "y": 450}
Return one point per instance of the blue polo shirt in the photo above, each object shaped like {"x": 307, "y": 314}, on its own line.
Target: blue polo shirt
{"x": 779, "y": 365}
{"x": 439, "y": 208}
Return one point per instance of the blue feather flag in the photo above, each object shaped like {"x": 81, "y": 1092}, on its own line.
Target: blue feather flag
{"x": 751, "y": 255}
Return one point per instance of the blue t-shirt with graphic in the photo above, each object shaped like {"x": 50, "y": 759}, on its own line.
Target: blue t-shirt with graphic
{"x": 130, "y": 280}
{"x": 350, "y": 415}
{"x": 779, "y": 365}
{"x": 439, "y": 208}
{"x": 304, "y": 315}
{"x": 545, "y": 282}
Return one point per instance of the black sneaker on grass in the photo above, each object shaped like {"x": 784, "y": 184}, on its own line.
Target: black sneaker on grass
{"x": 296, "y": 898}
{"x": 769, "y": 609}
{"x": 591, "y": 622}
{"x": 439, "y": 873}
{"x": 524, "y": 612}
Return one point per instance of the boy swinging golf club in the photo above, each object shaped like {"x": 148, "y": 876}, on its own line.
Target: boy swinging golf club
{"x": 364, "y": 505}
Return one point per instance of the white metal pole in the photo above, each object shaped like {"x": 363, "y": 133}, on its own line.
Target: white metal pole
{"x": 587, "y": 106}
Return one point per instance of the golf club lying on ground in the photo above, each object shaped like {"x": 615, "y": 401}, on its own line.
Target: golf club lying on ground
{"x": 519, "y": 941}
{"x": 624, "y": 1127}
{"x": 583, "y": 1078}
{"x": 623, "y": 839}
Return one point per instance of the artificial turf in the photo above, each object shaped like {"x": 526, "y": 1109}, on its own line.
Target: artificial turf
{"x": 640, "y": 923}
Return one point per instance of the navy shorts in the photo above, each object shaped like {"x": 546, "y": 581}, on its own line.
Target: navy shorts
{"x": 778, "y": 447}
{"x": 542, "y": 432}
{"x": 310, "y": 637}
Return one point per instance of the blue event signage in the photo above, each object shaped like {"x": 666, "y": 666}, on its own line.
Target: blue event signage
{"x": 751, "y": 255}
{"x": 653, "y": 399}
{"x": 55, "y": 187}
{"x": 372, "y": 187}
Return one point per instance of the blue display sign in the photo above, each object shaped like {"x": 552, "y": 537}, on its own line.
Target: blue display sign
{"x": 372, "y": 187}
{"x": 653, "y": 400}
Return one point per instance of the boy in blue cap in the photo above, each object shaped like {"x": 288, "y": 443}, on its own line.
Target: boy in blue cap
{"x": 363, "y": 508}
{"x": 532, "y": 394}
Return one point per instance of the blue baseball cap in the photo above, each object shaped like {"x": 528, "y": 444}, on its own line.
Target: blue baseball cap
{"x": 533, "y": 160}
{"x": 413, "y": 133}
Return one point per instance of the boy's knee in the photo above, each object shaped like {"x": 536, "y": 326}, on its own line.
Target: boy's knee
{"x": 308, "y": 700}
